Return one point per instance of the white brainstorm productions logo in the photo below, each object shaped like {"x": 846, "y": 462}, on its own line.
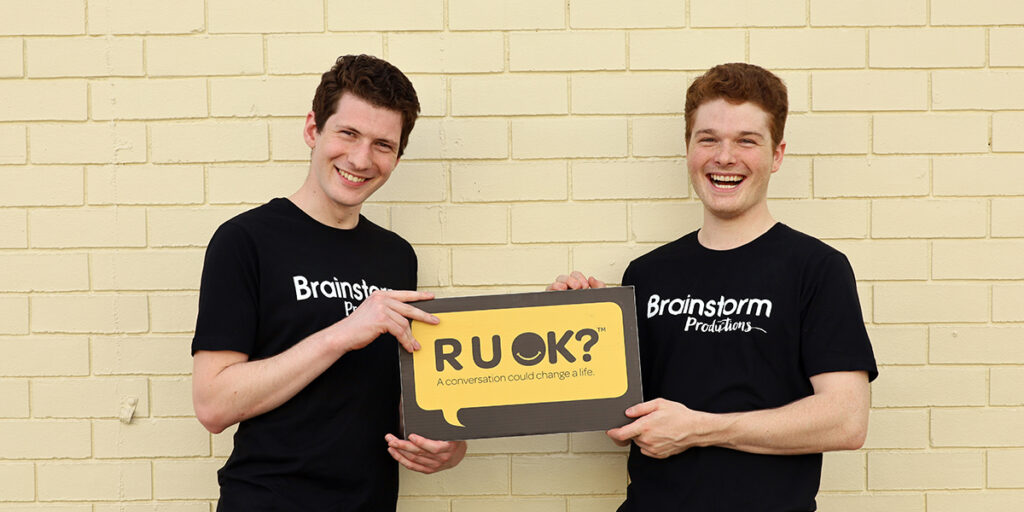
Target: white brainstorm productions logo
{"x": 711, "y": 309}
{"x": 334, "y": 289}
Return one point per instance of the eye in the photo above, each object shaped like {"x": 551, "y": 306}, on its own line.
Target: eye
{"x": 384, "y": 146}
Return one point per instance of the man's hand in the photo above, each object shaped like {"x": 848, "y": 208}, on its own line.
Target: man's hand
{"x": 575, "y": 281}
{"x": 384, "y": 312}
{"x": 425, "y": 455}
{"x": 663, "y": 428}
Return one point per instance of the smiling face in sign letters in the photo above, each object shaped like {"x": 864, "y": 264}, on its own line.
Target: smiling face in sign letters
{"x": 545, "y": 354}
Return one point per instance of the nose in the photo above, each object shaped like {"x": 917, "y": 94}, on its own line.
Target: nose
{"x": 724, "y": 155}
{"x": 359, "y": 156}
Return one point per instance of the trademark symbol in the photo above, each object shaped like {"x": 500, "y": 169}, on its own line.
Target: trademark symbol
{"x": 601, "y": 329}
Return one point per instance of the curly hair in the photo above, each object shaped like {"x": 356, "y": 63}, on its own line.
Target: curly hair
{"x": 375, "y": 81}
{"x": 739, "y": 82}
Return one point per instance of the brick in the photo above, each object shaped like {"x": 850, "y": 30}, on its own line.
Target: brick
{"x": 887, "y": 260}
{"x": 1004, "y": 468}
{"x": 13, "y": 229}
{"x": 931, "y": 133}
{"x": 958, "y": 176}
{"x": 602, "y": 93}
{"x": 905, "y": 386}
{"x": 848, "y": 134}
{"x": 873, "y": 502}
{"x": 45, "y": 17}
{"x": 926, "y": 48}
{"x": 221, "y": 141}
{"x": 207, "y": 55}
{"x": 434, "y": 266}
{"x": 145, "y": 184}
{"x": 185, "y": 227}
{"x": 837, "y": 13}
{"x": 173, "y": 312}
{"x": 898, "y": 429}
{"x": 297, "y": 54}
{"x": 13, "y": 315}
{"x": 61, "y": 481}
{"x": 966, "y": 344}
{"x": 484, "y": 224}
{"x": 44, "y": 439}
{"x": 432, "y": 92}
{"x": 415, "y": 182}
{"x": 422, "y": 505}
{"x": 659, "y": 136}
{"x": 1006, "y": 303}
{"x": 605, "y": 261}
{"x": 146, "y": 17}
{"x": 568, "y": 474}
{"x": 478, "y": 52}
{"x": 13, "y": 149}
{"x": 577, "y": 137}
{"x": 153, "y": 507}
{"x": 236, "y": 16}
{"x": 28, "y": 272}
{"x": 378, "y": 214}
{"x": 34, "y": 357}
{"x": 548, "y": 443}
{"x": 88, "y": 143}
{"x": 475, "y": 475}
{"x": 976, "y": 427}
{"x": 648, "y": 179}
{"x": 975, "y": 90}
{"x": 981, "y": 12}
{"x": 438, "y": 139}
{"x": 692, "y": 49}
{"x": 88, "y": 227}
{"x": 172, "y": 396}
{"x": 161, "y": 355}
{"x": 71, "y": 57}
{"x": 148, "y": 99}
{"x": 825, "y": 219}
{"x": 871, "y": 176}
{"x": 1007, "y": 386}
{"x": 48, "y": 507}
{"x": 747, "y": 13}
{"x": 175, "y": 437}
{"x": 509, "y": 181}
{"x": 527, "y": 265}
{"x": 11, "y": 58}
{"x": 257, "y": 97}
{"x": 989, "y": 501}
{"x": 286, "y": 141}
{"x": 865, "y": 293}
{"x": 567, "y": 51}
{"x": 794, "y": 182}
{"x": 898, "y": 344}
{"x": 1003, "y": 44}
{"x": 664, "y": 221}
{"x": 594, "y": 442}
{"x": 641, "y": 14}
{"x": 925, "y": 470}
{"x": 223, "y": 443}
{"x": 925, "y": 302}
{"x": 43, "y": 100}
{"x": 524, "y": 93}
{"x": 42, "y": 186}
{"x": 1008, "y": 217}
{"x": 89, "y": 313}
{"x": 805, "y": 48}
{"x": 386, "y": 15}
{"x": 17, "y": 481}
{"x": 843, "y": 471}
{"x": 588, "y": 222}
{"x": 15, "y": 403}
{"x": 506, "y": 15}
{"x": 870, "y": 90}
{"x": 977, "y": 259}
{"x": 1006, "y": 134}
{"x": 928, "y": 218}
{"x": 798, "y": 89}
{"x": 595, "y": 504}
{"x": 514, "y": 504}
{"x": 87, "y": 398}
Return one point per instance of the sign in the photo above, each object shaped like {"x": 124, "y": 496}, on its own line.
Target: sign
{"x": 528, "y": 363}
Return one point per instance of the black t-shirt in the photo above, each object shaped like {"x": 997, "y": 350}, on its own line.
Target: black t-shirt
{"x": 273, "y": 276}
{"x": 740, "y": 330}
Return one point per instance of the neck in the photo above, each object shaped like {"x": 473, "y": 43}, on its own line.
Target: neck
{"x": 723, "y": 234}
{"x": 315, "y": 204}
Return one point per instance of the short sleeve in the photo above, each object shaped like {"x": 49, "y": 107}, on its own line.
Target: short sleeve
{"x": 228, "y": 293}
{"x": 833, "y": 336}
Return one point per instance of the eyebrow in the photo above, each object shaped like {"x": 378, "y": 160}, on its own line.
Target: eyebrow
{"x": 745, "y": 133}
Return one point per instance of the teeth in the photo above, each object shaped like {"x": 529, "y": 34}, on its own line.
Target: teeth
{"x": 721, "y": 177}
{"x": 350, "y": 177}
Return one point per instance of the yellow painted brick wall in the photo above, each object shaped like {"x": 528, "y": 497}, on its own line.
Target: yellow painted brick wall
{"x": 551, "y": 139}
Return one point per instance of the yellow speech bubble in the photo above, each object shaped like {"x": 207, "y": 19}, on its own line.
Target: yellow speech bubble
{"x": 525, "y": 355}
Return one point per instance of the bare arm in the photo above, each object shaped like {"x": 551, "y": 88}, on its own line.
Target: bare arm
{"x": 228, "y": 388}
{"x": 835, "y": 417}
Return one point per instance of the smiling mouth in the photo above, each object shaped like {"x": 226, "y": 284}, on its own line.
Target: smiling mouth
{"x": 725, "y": 180}
{"x": 349, "y": 176}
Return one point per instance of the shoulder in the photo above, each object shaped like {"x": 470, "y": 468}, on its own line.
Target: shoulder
{"x": 383, "y": 238}
{"x": 656, "y": 259}
{"x": 803, "y": 246}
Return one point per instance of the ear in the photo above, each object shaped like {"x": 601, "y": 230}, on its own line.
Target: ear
{"x": 777, "y": 155}
{"x": 309, "y": 131}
